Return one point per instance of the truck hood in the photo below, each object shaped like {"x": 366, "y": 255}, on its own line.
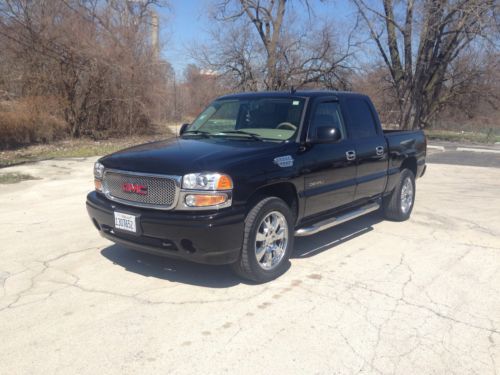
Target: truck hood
{"x": 179, "y": 156}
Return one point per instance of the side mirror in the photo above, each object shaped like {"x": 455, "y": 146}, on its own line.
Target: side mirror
{"x": 183, "y": 128}
{"x": 326, "y": 134}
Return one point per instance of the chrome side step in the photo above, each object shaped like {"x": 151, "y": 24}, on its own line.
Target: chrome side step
{"x": 328, "y": 223}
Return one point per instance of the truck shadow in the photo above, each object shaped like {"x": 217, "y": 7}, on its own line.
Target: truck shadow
{"x": 180, "y": 271}
{"x": 174, "y": 270}
{"x": 309, "y": 246}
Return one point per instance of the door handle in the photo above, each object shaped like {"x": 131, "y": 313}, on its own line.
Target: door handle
{"x": 350, "y": 155}
{"x": 379, "y": 150}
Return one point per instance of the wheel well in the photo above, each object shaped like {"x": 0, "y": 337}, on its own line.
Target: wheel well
{"x": 283, "y": 190}
{"x": 411, "y": 164}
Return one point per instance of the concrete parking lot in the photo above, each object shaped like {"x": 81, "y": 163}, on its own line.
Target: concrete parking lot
{"x": 370, "y": 296}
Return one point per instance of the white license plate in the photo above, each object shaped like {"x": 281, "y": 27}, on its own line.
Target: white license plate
{"x": 125, "y": 222}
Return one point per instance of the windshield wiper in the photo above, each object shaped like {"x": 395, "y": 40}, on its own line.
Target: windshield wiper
{"x": 252, "y": 135}
{"x": 197, "y": 132}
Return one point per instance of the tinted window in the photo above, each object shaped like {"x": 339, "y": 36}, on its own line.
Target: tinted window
{"x": 327, "y": 114}
{"x": 270, "y": 118}
{"x": 362, "y": 124}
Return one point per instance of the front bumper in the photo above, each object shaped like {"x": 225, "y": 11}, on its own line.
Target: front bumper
{"x": 205, "y": 237}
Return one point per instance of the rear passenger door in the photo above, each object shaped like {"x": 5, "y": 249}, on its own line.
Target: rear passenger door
{"x": 370, "y": 145}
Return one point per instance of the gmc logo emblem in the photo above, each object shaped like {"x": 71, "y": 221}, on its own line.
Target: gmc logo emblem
{"x": 135, "y": 188}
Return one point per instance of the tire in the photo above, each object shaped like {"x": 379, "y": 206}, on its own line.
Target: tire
{"x": 399, "y": 204}
{"x": 258, "y": 262}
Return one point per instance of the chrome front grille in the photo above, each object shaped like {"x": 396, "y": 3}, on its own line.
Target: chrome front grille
{"x": 158, "y": 192}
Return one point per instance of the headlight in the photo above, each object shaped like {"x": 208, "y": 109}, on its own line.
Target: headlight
{"x": 207, "y": 181}
{"x": 98, "y": 170}
{"x": 98, "y": 173}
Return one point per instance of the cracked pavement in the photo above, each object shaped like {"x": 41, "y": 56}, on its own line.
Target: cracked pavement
{"x": 370, "y": 296}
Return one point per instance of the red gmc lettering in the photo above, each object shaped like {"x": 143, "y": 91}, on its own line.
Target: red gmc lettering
{"x": 135, "y": 188}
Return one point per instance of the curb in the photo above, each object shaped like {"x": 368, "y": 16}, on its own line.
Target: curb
{"x": 464, "y": 149}
{"x": 483, "y": 150}
{"x": 440, "y": 148}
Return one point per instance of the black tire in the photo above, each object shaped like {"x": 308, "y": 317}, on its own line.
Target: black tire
{"x": 247, "y": 266}
{"x": 392, "y": 204}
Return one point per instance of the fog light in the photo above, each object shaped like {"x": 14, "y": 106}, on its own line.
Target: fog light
{"x": 204, "y": 200}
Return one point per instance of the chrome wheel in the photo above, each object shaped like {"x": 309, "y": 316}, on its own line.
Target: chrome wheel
{"x": 406, "y": 195}
{"x": 271, "y": 240}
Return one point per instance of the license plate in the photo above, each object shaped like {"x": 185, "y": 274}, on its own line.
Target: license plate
{"x": 125, "y": 222}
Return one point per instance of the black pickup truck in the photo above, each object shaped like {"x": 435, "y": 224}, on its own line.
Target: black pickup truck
{"x": 253, "y": 171}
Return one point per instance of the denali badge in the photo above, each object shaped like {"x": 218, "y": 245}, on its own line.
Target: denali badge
{"x": 135, "y": 188}
{"x": 284, "y": 161}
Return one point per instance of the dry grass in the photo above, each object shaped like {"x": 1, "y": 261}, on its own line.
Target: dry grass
{"x": 462, "y": 136}
{"x": 73, "y": 149}
{"x": 15, "y": 177}
{"x": 29, "y": 121}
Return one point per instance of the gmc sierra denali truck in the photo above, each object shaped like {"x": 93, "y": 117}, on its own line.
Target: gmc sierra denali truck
{"x": 253, "y": 171}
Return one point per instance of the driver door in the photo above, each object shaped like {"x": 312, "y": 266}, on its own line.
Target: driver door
{"x": 329, "y": 169}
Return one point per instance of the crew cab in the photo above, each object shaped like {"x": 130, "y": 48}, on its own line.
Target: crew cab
{"x": 253, "y": 171}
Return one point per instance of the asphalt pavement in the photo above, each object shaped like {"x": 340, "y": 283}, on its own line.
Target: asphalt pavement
{"x": 464, "y": 154}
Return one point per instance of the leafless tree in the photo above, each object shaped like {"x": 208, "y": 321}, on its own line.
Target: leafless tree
{"x": 200, "y": 87}
{"x": 473, "y": 96}
{"x": 419, "y": 42}
{"x": 263, "y": 45}
{"x": 234, "y": 54}
{"x": 94, "y": 56}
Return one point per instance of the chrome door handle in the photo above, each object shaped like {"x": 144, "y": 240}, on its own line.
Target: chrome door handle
{"x": 350, "y": 155}
{"x": 379, "y": 150}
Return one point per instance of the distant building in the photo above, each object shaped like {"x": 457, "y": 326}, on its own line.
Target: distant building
{"x": 208, "y": 72}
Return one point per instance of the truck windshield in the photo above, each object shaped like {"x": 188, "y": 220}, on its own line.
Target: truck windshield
{"x": 264, "y": 118}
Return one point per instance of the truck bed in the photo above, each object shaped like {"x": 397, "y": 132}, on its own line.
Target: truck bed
{"x": 410, "y": 140}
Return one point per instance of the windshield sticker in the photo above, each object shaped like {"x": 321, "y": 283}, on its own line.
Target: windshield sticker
{"x": 295, "y": 102}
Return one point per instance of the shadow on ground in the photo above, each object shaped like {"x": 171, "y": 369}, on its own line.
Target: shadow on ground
{"x": 309, "y": 246}
{"x": 221, "y": 276}
{"x": 174, "y": 270}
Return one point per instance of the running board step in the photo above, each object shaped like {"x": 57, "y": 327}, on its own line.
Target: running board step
{"x": 328, "y": 223}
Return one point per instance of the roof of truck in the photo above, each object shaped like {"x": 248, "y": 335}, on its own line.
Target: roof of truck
{"x": 298, "y": 93}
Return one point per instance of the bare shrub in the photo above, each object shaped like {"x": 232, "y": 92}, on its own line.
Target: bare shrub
{"x": 95, "y": 57}
{"x": 29, "y": 121}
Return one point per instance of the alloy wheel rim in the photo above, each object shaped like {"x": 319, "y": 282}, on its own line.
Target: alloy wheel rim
{"x": 406, "y": 195}
{"x": 271, "y": 240}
